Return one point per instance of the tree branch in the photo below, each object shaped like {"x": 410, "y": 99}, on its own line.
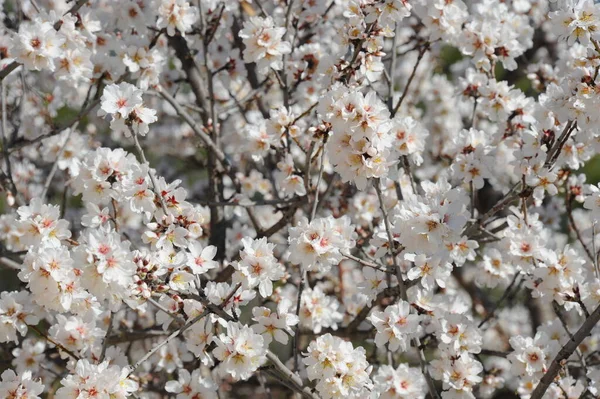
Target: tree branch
{"x": 566, "y": 352}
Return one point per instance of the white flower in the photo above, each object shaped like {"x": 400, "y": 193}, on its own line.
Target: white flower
{"x": 51, "y": 277}
{"x": 41, "y": 223}
{"x": 100, "y": 380}
{"x": 458, "y": 374}
{"x": 592, "y": 201}
{"x": 318, "y": 245}
{"x": 74, "y": 65}
{"x": 30, "y": 356}
{"x": 183, "y": 282}
{"x": 176, "y": 15}
{"x": 75, "y": 334}
{"x": 428, "y": 270}
{"x": 220, "y": 294}
{"x": 241, "y": 351}
{"x": 375, "y": 281}
{"x": 459, "y": 334}
{"x": 530, "y": 356}
{"x": 402, "y": 383}
{"x": 395, "y": 326}
{"x": 409, "y": 137}
{"x": 140, "y": 117}
{"x": 194, "y": 385}
{"x": 594, "y": 376}
{"x": 260, "y": 140}
{"x": 263, "y": 43}
{"x": 318, "y": 310}
{"x": 198, "y": 337}
{"x": 341, "y": 371}
{"x": 199, "y": 259}
{"x": 107, "y": 264}
{"x": 20, "y": 386}
{"x": 37, "y": 45}
{"x": 274, "y": 325}
{"x": 120, "y": 99}
{"x": 578, "y": 21}
{"x": 258, "y": 266}
{"x": 359, "y": 147}
{"x": 16, "y": 312}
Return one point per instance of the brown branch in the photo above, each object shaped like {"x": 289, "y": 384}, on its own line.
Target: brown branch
{"x": 566, "y": 352}
{"x": 287, "y": 216}
{"x": 52, "y": 341}
{"x": 509, "y": 197}
{"x": 507, "y": 294}
{"x": 569, "y": 205}
{"x": 490, "y": 352}
{"x": 554, "y": 152}
{"x": 565, "y": 325}
{"x": 9, "y": 263}
{"x": 195, "y": 79}
{"x": 199, "y": 130}
{"x": 180, "y": 331}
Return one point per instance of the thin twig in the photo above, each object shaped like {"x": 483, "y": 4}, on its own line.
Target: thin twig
{"x": 249, "y": 203}
{"x": 206, "y": 139}
{"x": 316, "y": 201}
{"x": 108, "y": 332}
{"x": 366, "y": 263}
{"x": 296, "y": 343}
{"x": 473, "y": 193}
{"x": 53, "y": 342}
{"x": 410, "y": 79}
{"x": 510, "y": 196}
{"x": 9, "y": 176}
{"x": 595, "y": 260}
{"x": 160, "y": 307}
{"x": 55, "y": 165}
{"x": 590, "y": 254}
{"x": 490, "y": 352}
{"x": 392, "y": 73}
{"x": 561, "y": 317}
{"x": 403, "y": 295}
{"x": 11, "y": 264}
{"x": 150, "y": 174}
{"x": 500, "y": 301}
{"x": 180, "y": 331}
{"x": 554, "y": 152}
{"x": 17, "y": 145}
{"x": 391, "y": 242}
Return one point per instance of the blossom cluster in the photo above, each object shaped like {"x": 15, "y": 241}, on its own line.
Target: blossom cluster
{"x": 335, "y": 199}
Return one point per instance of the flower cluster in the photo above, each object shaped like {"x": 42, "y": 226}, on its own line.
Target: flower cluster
{"x": 241, "y": 351}
{"x": 360, "y": 142}
{"x": 318, "y": 244}
{"x": 258, "y": 267}
{"x": 274, "y": 325}
{"x": 176, "y": 15}
{"x": 395, "y": 326}
{"x": 20, "y": 386}
{"x": 102, "y": 380}
{"x": 264, "y": 43}
{"x": 124, "y": 103}
{"x": 340, "y": 369}
{"x": 16, "y": 312}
